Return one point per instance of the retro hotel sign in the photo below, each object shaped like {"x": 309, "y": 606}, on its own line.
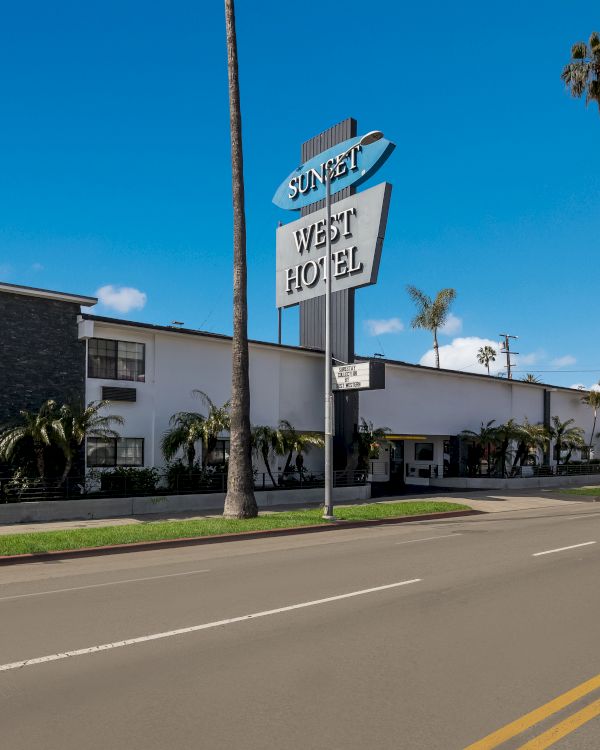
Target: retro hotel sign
{"x": 357, "y": 224}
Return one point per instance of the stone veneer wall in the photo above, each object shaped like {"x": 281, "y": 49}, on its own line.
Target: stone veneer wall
{"x": 40, "y": 354}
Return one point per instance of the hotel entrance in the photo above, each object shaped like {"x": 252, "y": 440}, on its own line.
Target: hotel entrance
{"x": 396, "y": 463}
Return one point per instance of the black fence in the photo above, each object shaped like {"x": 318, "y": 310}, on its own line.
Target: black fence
{"x": 544, "y": 470}
{"x": 111, "y": 485}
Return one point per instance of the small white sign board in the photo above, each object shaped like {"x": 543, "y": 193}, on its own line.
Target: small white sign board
{"x": 352, "y": 377}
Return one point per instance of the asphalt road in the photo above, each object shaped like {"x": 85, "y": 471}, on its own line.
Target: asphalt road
{"x": 453, "y": 630}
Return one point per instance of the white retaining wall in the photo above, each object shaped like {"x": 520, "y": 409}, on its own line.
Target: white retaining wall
{"x": 71, "y": 510}
{"x": 531, "y": 483}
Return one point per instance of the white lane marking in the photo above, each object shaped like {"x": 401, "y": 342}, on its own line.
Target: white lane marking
{"x": 428, "y": 538}
{"x": 195, "y": 628}
{"x": 98, "y": 585}
{"x": 562, "y": 549}
{"x": 583, "y": 515}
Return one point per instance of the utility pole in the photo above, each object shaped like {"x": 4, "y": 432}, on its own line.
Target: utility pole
{"x": 506, "y": 350}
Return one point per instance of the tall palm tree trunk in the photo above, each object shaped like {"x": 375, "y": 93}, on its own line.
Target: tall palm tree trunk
{"x": 239, "y": 501}
{"x": 593, "y": 433}
{"x": 436, "y": 349}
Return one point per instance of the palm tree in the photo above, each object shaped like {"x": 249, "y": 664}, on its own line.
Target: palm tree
{"x": 592, "y": 399}
{"x": 530, "y": 378}
{"x": 485, "y": 355}
{"x": 265, "y": 441}
{"x": 34, "y": 428}
{"x": 565, "y": 436}
{"x": 506, "y": 434}
{"x": 582, "y": 74}
{"x": 239, "y": 501}
{"x": 294, "y": 441}
{"x": 369, "y": 438}
{"x": 74, "y": 423}
{"x": 217, "y": 420}
{"x": 482, "y": 441}
{"x": 530, "y": 437}
{"x": 186, "y": 429}
{"x": 431, "y": 314}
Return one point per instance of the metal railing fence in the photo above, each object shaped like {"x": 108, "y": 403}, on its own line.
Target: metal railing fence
{"x": 542, "y": 470}
{"x": 109, "y": 485}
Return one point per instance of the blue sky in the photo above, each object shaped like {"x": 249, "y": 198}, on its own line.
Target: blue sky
{"x": 114, "y": 161}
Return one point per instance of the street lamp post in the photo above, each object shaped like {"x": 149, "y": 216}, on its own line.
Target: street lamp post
{"x": 367, "y": 139}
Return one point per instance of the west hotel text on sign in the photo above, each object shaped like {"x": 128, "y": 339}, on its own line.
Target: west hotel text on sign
{"x": 357, "y": 231}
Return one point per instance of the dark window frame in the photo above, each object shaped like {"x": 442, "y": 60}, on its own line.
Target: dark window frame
{"x": 223, "y": 446}
{"x": 418, "y": 447}
{"x": 114, "y": 442}
{"x": 110, "y": 370}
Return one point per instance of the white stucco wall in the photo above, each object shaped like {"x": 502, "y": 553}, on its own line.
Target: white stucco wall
{"x": 424, "y": 402}
{"x": 285, "y": 384}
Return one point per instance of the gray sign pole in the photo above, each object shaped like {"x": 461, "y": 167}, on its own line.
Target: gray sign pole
{"x": 328, "y": 510}
{"x": 367, "y": 139}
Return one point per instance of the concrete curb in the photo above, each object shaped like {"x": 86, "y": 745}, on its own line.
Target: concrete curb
{"x": 188, "y": 541}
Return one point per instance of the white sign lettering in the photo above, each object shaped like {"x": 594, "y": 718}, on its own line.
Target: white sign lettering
{"x": 357, "y": 230}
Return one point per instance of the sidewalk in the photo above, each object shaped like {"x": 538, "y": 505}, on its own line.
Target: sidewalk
{"x": 477, "y": 500}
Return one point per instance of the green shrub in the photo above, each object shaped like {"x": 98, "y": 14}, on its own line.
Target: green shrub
{"x": 130, "y": 479}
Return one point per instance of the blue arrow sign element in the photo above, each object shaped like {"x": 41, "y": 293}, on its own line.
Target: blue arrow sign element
{"x": 306, "y": 184}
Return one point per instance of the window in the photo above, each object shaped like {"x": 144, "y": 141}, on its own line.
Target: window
{"x": 115, "y": 452}
{"x": 219, "y": 454}
{"x": 130, "y": 452}
{"x": 102, "y": 356}
{"x": 101, "y": 452}
{"x": 584, "y": 453}
{"x": 116, "y": 360}
{"x": 423, "y": 451}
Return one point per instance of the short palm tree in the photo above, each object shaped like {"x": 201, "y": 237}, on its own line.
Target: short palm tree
{"x": 565, "y": 435}
{"x": 582, "y": 74}
{"x": 35, "y": 428}
{"x": 592, "y": 399}
{"x": 75, "y": 422}
{"x": 369, "y": 439}
{"x": 506, "y": 435}
{"x": 530, "y": 378}
{"x": 485, "y": 355}
{"x": 185, "y": 430}
{"x": 294, "y": 441}
{"x": 431, "y": 313}
{"x": 216, "y": 421}
{"x": 266, "y": 441}
{"x": 530, "y": 437}
{"x": 482, "y": 442}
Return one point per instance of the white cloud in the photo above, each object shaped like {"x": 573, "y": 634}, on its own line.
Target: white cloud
{"x": 564, "y": 361}
{"x": 582, "y": 387}
{"x": 452, "y": 326}
{"x": 385, "y": 325}
{"x": 461, "y": 354}
{"x": 37, "y": 267}
{"x": 529, "y": 359}
{"x": 121, "y": 298}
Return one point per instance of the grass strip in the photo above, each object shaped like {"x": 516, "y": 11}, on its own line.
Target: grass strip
{"x": 587, "y": 491}
{"x": 65, "y": 539}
